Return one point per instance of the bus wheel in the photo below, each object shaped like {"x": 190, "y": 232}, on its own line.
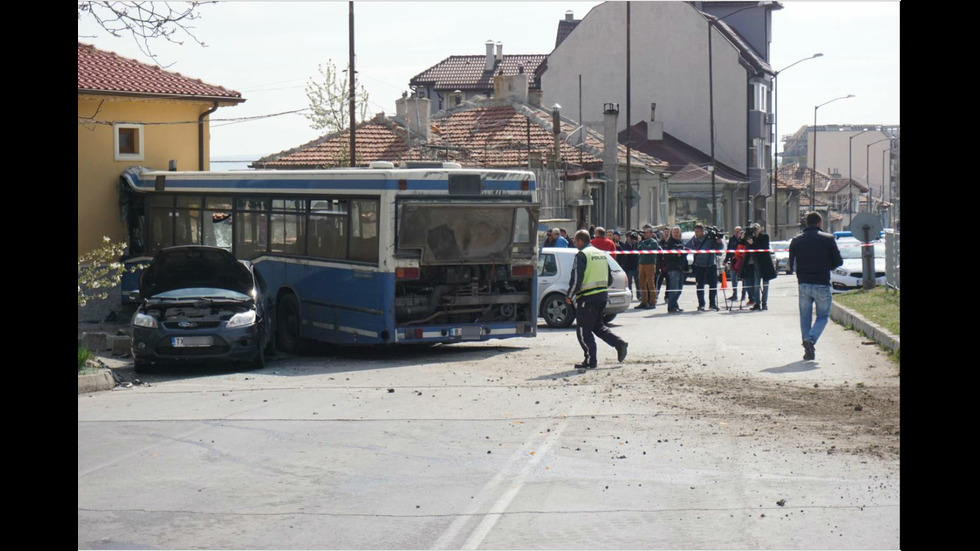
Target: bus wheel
{"x": 287, "y": 324}
{"x": 258, "y": 362}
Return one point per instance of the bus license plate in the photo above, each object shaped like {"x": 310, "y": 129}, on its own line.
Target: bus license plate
{"x": 191, "y": 342}
{"x": 467, "y": 333}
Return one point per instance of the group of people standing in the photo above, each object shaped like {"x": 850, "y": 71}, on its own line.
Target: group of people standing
{"x": 651, "y": 271}
{"x": 813, "y": 254}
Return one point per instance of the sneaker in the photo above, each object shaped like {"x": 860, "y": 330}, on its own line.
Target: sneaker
{"x": 808, "y": 351}
{"x": 756, "y": 307}
{"x": 621, "y": 351}
{"x": 749, "y": 304}
{"x": 584, "y": 365}
{"x": 764, "y": 306}
{"x": 641, "y": 306}
{"x": 714, "y": 307}
{"x": 700, "y": 308}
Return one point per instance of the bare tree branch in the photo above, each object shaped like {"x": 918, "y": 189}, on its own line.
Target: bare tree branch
{"x": 145, "y": 21}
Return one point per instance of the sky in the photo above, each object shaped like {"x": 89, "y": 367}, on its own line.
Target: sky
{"x": 268, "y": 51}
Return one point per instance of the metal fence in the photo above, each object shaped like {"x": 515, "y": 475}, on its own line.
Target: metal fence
{"x": 893, "y": 253}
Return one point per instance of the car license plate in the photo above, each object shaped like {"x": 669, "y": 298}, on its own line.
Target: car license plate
{"x": 191, "y": 342}
{"x": 617, "y": 300}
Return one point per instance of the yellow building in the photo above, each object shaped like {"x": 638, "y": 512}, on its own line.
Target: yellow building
{"x": 131, "y": 113}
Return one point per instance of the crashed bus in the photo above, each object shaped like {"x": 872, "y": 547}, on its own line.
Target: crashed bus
{"x": 379, "y": 256}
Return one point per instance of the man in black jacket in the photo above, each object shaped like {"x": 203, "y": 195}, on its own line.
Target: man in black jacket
{"x": 813, "y": 254}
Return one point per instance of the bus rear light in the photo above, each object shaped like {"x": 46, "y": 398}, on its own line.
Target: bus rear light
{"x": 406, "y": 273}
{"x": 525, "y": 185}
{"x": 522, "y": 270}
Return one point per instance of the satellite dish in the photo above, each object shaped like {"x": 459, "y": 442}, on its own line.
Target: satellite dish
{"x": 866, "y": 220}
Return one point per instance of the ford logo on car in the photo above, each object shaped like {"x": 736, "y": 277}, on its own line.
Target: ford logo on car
{"x": 187, "y": 324}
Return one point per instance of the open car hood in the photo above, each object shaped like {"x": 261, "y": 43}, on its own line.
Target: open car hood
{"x": 189, "y": 266}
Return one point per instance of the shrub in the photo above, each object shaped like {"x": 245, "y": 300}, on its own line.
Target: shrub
{"x": 84, "y": 355}
{"x": 99, "y": 271}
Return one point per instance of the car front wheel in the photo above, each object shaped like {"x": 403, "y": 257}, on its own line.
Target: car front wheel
{"x": 557, "y": 312}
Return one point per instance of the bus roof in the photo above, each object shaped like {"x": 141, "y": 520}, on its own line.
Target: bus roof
{"x": 310, "y": 181}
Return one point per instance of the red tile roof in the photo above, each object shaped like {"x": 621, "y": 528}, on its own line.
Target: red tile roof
{"x": 376, "y": 140}
{"x": 100, "y": 71}
{"x": 497, "y": 136}
{"x": 565, "y": 28}
{"x": 468, "y": 72}
{"x": 492, "y": 135}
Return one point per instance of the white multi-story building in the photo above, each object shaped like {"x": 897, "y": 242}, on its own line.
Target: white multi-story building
{"x": 669, "y": 73}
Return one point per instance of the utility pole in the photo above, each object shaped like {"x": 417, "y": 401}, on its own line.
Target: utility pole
{"x": 629, "y": 140}
{"x": 351, "y": 75}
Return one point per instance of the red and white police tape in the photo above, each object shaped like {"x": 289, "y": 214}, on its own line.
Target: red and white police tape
{"x": 720, "y": 251}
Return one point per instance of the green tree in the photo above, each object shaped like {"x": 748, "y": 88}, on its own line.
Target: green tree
{"x": 329, "y": 97}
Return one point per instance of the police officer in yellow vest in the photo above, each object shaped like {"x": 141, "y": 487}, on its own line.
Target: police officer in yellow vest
{"x": 589, "y": 288}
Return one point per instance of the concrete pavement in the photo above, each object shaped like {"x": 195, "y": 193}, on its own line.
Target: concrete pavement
{"x": 712, "y": 434}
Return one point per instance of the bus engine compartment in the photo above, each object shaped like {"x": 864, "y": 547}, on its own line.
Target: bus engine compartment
{"x": 465, "y": 294}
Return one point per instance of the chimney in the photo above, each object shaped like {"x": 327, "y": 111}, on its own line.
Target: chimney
{"x": 489, "y": 65}
{"x": 610, "y": 161}
{"x": 505, "y": 86}
{"x": 655, "y": 128}
{"x": 415, "y": 112}
{"x": 500, "y": 51}
{"x": 569, "y": 16}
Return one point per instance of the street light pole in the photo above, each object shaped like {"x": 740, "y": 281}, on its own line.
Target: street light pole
{"x": 814, "y": 167}
{"x": 850, "y": 195}
{"x": 867, "y": 177}
{"x": 883, "y": 180}
{"x": 775, "y": 146}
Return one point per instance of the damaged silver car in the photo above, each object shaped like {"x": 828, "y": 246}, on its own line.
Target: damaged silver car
{"x": 201, "y": 304}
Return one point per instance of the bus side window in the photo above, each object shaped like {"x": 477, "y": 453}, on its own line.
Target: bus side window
{"x": 251, "y": 227}
{"x": 187, "y": 221}
{"x": 288, "y": 222}
{"x": 327, "y": 235}
{"x": 159, "y": 222}
{"x": 217, "y": 222}
{"x": 364, "y": 230}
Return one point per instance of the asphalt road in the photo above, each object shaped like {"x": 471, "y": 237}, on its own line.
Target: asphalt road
{"x": 712, "y": 434}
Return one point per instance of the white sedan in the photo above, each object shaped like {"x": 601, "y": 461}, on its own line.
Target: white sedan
{"x": 850, "y": 275}
{"x": 554, "y": 271}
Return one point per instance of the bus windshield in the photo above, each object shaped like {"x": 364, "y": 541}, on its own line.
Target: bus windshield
{"x": 463, "y": 233}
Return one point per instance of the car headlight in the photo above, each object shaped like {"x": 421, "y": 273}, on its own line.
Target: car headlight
{"x": 841, "y": 271}
{"x": 242, "y": 320}
{"x": 143, "y": 320}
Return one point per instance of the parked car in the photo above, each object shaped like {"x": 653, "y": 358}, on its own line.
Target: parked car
{"x": 781, "y": 256}
{"x": 850, "y": 275}
{"x": 554, "y": 272}
{"x": 201, "y": 304}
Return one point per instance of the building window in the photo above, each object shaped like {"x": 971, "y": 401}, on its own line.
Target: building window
{"x": 127, "y": 142}
{"x": 760, "y": 97}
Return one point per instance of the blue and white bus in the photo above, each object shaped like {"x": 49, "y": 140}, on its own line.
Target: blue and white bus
{"x": 379, "y": 255}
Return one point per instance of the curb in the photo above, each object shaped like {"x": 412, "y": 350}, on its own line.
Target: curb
{"x": 93, "y": 382}
{"x": 880, "y": 335}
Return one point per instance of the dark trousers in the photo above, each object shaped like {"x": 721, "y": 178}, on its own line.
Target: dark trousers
{"x": 706, "y": 275}
{"x": 589, "y": 324}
